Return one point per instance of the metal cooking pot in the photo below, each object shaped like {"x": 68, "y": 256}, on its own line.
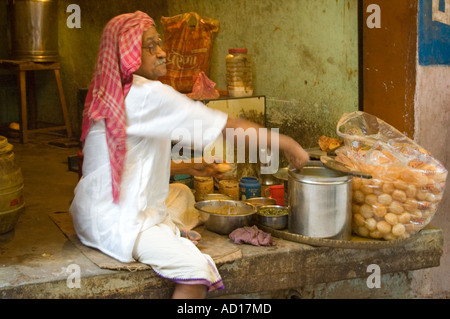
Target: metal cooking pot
{"x": 282, "y": 176}
{"x": 320, "y": 202}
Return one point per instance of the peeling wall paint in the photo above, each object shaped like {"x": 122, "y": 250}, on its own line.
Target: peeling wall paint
{"x": 304, "y": 55}
{"x": 78, "y": 48}
{"x": 432, "y": 108}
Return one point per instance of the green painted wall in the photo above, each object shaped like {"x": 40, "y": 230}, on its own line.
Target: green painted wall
{"x": 304, "y": 53}
{"x": 78, "y": 48}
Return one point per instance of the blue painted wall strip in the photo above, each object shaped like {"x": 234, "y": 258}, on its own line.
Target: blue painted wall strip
{"x": 434, "y": 36}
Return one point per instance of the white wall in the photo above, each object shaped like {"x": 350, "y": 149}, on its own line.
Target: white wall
{"x": 432, "y": 131}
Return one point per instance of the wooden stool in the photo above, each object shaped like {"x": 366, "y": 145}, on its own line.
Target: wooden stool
{"x": 22, "y": 67}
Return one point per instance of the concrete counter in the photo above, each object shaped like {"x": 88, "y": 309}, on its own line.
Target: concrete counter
{"x": 36, "y": 259}
{"x": 286, "y": 270}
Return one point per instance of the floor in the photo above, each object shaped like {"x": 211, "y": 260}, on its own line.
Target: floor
{"x": 36, "y": 250}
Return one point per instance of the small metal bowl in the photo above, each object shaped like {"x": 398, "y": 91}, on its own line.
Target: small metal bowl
{"x": 277, "y": 220}
{"x": 224, "y": 224}
{"x": 261, "y": 201}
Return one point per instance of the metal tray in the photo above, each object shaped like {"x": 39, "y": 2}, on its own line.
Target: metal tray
{"x": 355, "y": 242}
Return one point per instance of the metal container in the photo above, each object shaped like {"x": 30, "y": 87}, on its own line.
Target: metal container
{"x": 260, "y": 201}
{"x": 34, "y": 30}
{"x": 216, "y": 196}
{"x": 282, "y": 176}
{"x": 276, "y": 221}
{"x": 217, "y": 220}
{"x": 249, "y": 187}
{"x": 320, "y": 202}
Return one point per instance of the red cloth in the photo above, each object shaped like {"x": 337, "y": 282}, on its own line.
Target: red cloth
{"x": 203, "y": 88}
{"x": 119, "y": 57}
{"x": 251, "y": 235}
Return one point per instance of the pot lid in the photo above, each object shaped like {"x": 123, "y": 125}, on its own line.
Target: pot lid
{"x": 283, "y": 173}
{"x": 317, "y": 173}
{"x": 339, "y": 167}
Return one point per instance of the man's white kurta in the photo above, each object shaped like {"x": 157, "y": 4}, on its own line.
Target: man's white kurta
{"x": 156, "y": 113}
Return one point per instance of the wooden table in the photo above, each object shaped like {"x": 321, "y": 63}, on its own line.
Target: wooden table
{"x": 22, "y": 67}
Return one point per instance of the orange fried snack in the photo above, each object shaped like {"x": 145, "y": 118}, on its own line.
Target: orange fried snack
{"x": 329, "y": 143}
{"x": 224, "y": 167}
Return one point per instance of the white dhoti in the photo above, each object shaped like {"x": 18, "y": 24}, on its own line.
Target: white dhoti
{"x": 172, "y": 256}
{"x": 145, "y": 223}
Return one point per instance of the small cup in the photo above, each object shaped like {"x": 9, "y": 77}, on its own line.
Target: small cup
{"x": 276, "y": 192}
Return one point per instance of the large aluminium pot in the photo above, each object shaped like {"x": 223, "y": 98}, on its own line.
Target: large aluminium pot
{"x": 320, "y": 202}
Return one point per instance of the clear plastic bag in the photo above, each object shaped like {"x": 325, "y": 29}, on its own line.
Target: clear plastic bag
{"x": 407, "y": 181}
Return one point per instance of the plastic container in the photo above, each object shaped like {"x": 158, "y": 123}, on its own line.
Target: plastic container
{"x": 249, "y": 187}
{"x": 203, "y": 186}
{"x": 239, "y": 73}
{"x": 276, "y": 192}
{"x": 11, "y": 187}
{"x": 187, "y": 180}
{"x": 229, "y": 187}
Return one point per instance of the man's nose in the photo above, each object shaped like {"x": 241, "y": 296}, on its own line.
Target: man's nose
{"x": 160, "y": 53}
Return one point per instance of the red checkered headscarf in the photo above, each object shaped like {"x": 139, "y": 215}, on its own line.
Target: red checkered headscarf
{"x": 119, "y": 57}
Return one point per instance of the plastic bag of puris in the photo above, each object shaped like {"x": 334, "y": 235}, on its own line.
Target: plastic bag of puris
{"x": 407, "y": 182}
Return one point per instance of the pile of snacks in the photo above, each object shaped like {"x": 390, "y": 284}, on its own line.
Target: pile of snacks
{"x": 407, "y": 183}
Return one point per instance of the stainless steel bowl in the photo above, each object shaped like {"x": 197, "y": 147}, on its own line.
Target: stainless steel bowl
{"x": 260, "y": 201}
{"x": 216, "y": 196}
{"x": 276, "y": 221}
{"x": 218, "y": 221}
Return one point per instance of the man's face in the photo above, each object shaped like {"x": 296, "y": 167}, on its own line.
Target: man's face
{"x": 153, "y": 58}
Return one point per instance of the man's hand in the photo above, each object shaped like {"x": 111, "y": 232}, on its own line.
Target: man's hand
{"x": 297, "y": 156}
{"x": 203, "y": 168}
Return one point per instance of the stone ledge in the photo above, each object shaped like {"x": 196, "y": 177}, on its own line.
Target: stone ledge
{"x": 283, "y": 271}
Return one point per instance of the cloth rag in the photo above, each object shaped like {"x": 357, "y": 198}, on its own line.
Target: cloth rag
{"x": 203, "y": 88}
{"x": 251, "y": 235}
